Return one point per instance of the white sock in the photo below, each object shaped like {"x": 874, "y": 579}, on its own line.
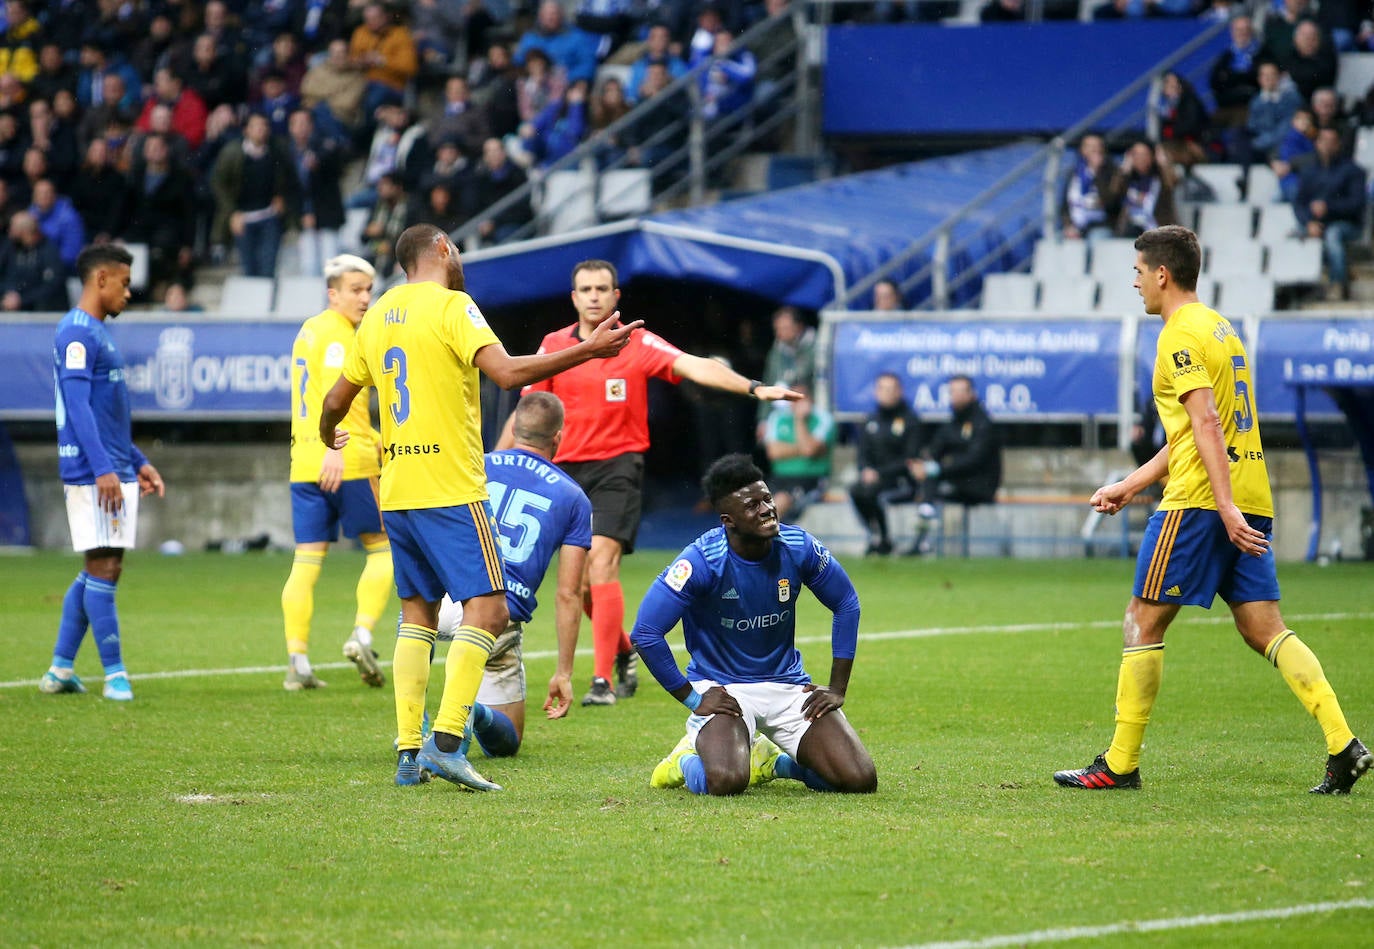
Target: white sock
{"x": 300, "y": 664}
{"x": 363, "y": 635}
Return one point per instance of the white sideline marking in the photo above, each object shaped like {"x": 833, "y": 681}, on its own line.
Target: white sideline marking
{"x": 1148, "y": 926}
{"x": 925, "y": 633}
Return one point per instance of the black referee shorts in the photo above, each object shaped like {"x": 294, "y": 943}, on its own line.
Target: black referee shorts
{"x": 615, "y": 486}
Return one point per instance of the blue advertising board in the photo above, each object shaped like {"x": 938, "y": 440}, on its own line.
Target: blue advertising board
{"x": 1023, "y": 370}
{"x": 1313, "y": 353}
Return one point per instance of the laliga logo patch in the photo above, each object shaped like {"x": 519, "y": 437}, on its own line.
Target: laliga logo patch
{"x": 76, "y": 356}
{"x": 1182, "y": 359}
{"x": 678, "y": 575}
{"x": 474, "y": 314}
{"x": 615, "y": 390}
{"x": 334, "y": 356}
{"x": 784, "y": 591}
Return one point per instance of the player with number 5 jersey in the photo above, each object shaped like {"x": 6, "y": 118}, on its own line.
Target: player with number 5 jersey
{"x": 422, "y": 345}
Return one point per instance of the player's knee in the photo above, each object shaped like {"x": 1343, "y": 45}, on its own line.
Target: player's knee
{"x": 723, "y": 780}
{"x": 860, "y": 778}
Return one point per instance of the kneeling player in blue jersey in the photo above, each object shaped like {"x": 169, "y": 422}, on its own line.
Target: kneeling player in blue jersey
{"x": 736, "y": 591}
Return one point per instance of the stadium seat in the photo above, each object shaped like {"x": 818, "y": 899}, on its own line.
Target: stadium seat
{"x": 138, "y": 270}
{"x": 1239, "y": 296}
{"x": 300, "y": 297}
{"x": 1008, "y": 293}
{"x": 351, "y": 234}
{"x": 1364, "y": 148}
{"x": 1207, "y": 291}
{"x": 246, "y": 296}
{"x": 1295, "y": 261}
{"x": 1113, "y": 260}
{"x": 1187, "y": 213}
{"x": 1277, "y": 222}
{"x": 73, "y": 290}
{"x": 1119, "y": 296}
{"x": 1262, "y": 186}
{"x": 1225, "y": 222}
{"x": 1234, "y": 258}
{"x": 1055, "y": 258}
{"x": 1068, "y": 294}
{"x": 1223, "y": 180}
{"x": 1354, "y": 76}
{"x": 625, "y": 192}
{"x": 569, "y": 201}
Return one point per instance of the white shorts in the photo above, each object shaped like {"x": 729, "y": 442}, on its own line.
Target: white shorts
{"x": 771, "y": 708}
{"x": 503, "y": 680}
{"x": 92, "y": 527}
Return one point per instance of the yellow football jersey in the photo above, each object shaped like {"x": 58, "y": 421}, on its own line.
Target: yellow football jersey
{"x": 1199, "y": 348}
{"x": 416, "y": 345}
{"x": 317, "y": 358}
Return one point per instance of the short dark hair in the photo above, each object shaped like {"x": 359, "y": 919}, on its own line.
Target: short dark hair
{"x": 96, "y": 256}
{"x": 960, "y": 377}
{"x": 414, "y": 242}
{"x": 538, "y": 418}
{"x": 728, "y": 474}
{"x": 597, "y": 265}
{"x": 1175, "y": 248}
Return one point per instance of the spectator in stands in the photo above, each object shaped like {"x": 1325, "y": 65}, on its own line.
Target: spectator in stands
{"x": 962, "y": 462}
{"x": 387, "y": 221}
{"x": 1271, "y": 114}
{"x": 437, "y": 206}
{"x": 176, "y": 299}
{"x": 1295, "y": 149}
{"x": 160, "y": 194}
{"x": 495, "y": 89}
{"x": 385, "y": 51}
{"x": 702, "y": 45}
{"x": 497, "y": 177}
{"x": 1312, "y": 63}
{"x": 1340, "y": 21}
{"x": 19, "y": 45}
{"x": 214, "y": 77}
{"x": 438, "y": 26}
{"x": 541, "y": 84}
{"x": 318, "y": 164}
{"x": 1330, "y": 205}
{"x": 254, "y": 185}
{"x": 1327, "y": 111}
{"x": 35, "y": 168}
{"x": 219, "y": 23}
{"x": 1136, "y": 9}
{"x": 56, "y": 139}
{"x": 188, "y": 111}
{"x": 284, "y": 59}
{"x": 657, "y": 49}
{"x": 556, "y": 131}
{"x": 452, "y": 169}
{"x": 276, "y": 101}
{"x": 790, "y": 361}
{"x": 1087, "y": 212}
{"x": 159, "y": 45}
{"x": 609, "y": 22}
{"x": 1143, "y": 190}
{"x": 266, "y": 21}
{"x": 887, "y": 296}
{"x": 1184, "y": 125}
{"x": 100, "y": 194}
{"x": 461, "y": 120}
{"x": 8, "y": 209}
{"x": 58, "y": 220}
{"x": 32, "y": 275}
{"x": 1279, "y": 26}
{"x": 333, "y": 90}
{"x": 12, "y": 148}
{"x": 1002, "y": 11}
{"x": 568, "y": 47}
{"x": 392, "y": 144}
{"x": 54, "y": 73}
{"x": 65, "y": 24}
{"x": 799, "y": 438}
{"x": 659, "y": 132}
{"x": 608, "y": 107}
{"x": 889, "y": 440}
{"x": 91, "y": 87}
{"x": 727, "y": 84}
{"x": 98, "y": 118}
{"x": 1235, "y": 74}
{"x": 160, "y": 123}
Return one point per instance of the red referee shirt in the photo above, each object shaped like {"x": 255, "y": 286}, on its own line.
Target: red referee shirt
{"x": 606, "y": 401}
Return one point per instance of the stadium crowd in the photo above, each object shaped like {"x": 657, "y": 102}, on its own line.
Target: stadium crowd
{"x": 213, "y": 130}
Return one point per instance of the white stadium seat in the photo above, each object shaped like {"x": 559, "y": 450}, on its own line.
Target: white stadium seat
{"x": 1008, "y": 293}
{"x": 1055, "y": 258}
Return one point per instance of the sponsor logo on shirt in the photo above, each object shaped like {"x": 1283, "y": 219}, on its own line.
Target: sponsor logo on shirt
{"x": 76, "y": 356}
{"x": 730, "y": 594}
{"x": 822, "y": 554}
{"x": 334, "y": 356}
{"x": 615, "y": 390}
{"x": 475, "y": 315}
{"x": 764, "y": 621}
{"x": 395, "y": 451}
{"x": 784, "y": 590}
{"x": 1182, "y": 359}
{"x": 678, "y": 575}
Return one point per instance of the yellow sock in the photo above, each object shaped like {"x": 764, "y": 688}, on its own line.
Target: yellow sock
{"x": 409, "y": 679}
{"x": 1137, "y": 684}
{"x": 1303, "y": 673}
{"x": 374, "y": 585}
{"x": 467, "y": 657}
{"x": 298, "y": 599}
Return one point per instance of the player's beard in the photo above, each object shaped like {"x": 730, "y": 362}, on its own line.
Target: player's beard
{"x": 456, "y": 280}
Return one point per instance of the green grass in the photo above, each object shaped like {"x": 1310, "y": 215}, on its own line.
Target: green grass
{"x": 300, "y": 836}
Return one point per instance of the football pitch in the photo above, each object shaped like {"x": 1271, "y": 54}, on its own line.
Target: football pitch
{"x": 217, "y": 809}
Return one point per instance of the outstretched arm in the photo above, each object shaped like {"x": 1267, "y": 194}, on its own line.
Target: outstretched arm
{"x": 512, "y": 372}
{"x": 717, "y": 375}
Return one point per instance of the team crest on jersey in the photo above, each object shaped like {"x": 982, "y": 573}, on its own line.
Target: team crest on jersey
{"x": 615, "y": 390}
{"x": 76, "y": 356}
{"x": 334, "y": 356}
{"x": 474, "y": 314}
{"x": 678, "y": 575}
{"x": 784, "y": 590}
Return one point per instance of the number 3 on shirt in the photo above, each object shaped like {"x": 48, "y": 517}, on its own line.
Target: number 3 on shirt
{"x": 1245, "y": 412}
{"x": 394, "y": 362}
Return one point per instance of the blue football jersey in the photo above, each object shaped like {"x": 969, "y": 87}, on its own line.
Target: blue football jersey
{"x": 538, "y": 509}
{"x": 739, "y": 616}
{"x": 94, "y": 435}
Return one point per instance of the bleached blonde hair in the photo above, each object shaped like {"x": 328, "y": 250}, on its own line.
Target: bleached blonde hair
{"x": 336, "y": 267}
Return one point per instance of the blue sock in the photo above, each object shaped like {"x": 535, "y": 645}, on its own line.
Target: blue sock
{"x": 695, "y": 773}
{"x": 788, "y": 768}
{"x": 814, "y": 781}
{"x": 495, "y": 732}
{"x": 100, "y": 609}
{"x": 72, "y": 629}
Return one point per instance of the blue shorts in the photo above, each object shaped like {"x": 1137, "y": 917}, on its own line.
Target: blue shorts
{"x": 440, "y": 550}
{"x": 1187, "y": 558}
{"x": 316, "y": 515}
